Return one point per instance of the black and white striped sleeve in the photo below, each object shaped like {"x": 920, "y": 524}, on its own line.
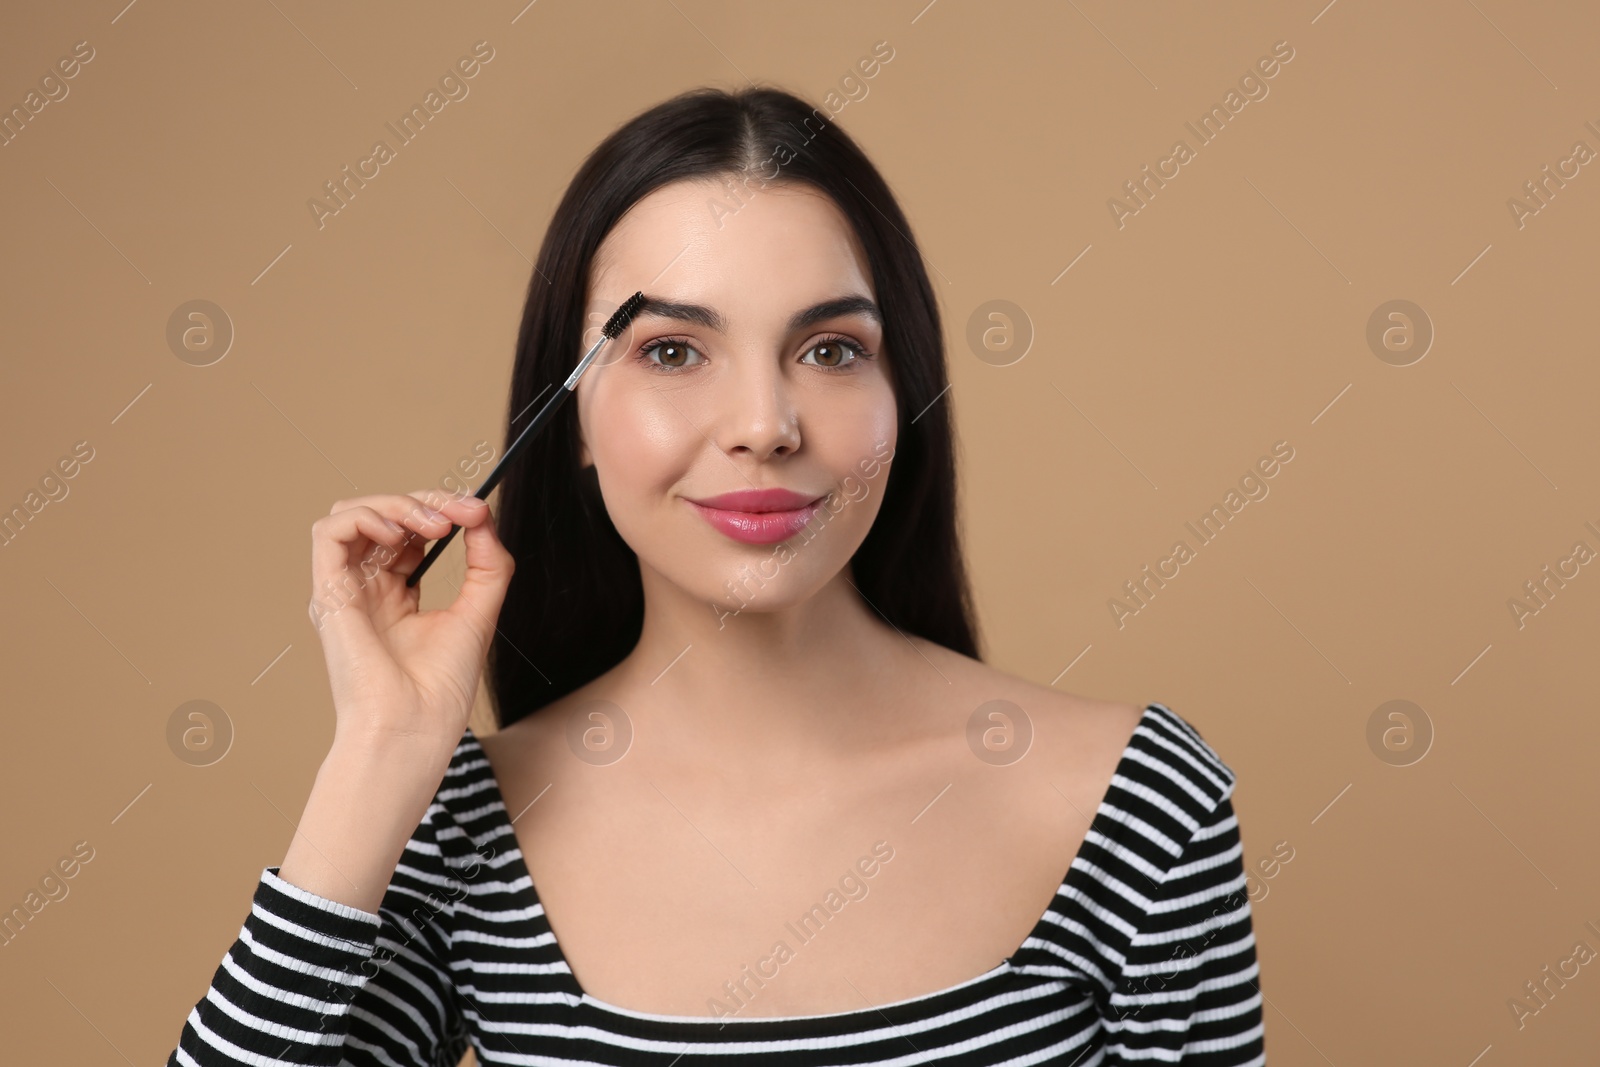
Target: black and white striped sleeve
{"x": 1189, "y": 988}
{"x": 312, "y": 981}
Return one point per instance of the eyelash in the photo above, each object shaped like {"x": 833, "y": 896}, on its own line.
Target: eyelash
{"x": 859, "y": 350}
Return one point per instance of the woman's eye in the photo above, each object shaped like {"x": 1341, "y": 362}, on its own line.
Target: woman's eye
{"x": 674, "y": 354}
{"x": 836, "y": 352}
{"x": 670, "y": 354}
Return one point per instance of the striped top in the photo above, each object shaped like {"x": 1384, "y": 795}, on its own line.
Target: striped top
{"x": 1145, "y": 955}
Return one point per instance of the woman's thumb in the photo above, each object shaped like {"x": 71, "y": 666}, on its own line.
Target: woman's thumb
{"x": 489, "y": 569}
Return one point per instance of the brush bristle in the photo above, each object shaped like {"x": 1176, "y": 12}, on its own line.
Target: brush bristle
{"x": 619, "y": 322}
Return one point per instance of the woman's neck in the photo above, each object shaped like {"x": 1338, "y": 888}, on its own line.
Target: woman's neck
{"x": 778, "y": 688}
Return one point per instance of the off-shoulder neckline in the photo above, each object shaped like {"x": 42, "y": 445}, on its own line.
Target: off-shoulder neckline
{"x": 520, "y": 875}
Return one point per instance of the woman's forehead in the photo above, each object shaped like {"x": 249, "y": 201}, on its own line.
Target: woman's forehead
{"x": 695, "y": 236}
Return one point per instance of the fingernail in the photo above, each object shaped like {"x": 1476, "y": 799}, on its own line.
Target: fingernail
{"x": 395, "y": 526}
{"x": 473, "y": 501}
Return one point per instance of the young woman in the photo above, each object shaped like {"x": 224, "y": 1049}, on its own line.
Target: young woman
{"x": 753, "y": 795}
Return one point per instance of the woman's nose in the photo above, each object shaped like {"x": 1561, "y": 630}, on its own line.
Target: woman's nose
{"x": 755, "y": 408}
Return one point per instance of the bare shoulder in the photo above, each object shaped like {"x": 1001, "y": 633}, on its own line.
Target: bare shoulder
{"x": 496, "y": 743}
{"x": 520, "y": 749}
{"x": 1074, "y": 734}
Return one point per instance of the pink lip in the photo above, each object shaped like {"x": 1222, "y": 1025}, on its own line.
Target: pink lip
{"x": 758, "y": 516}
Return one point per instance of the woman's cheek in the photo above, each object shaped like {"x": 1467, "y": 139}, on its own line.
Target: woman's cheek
{"x": 644, "y": 453}
{"x": 858, "y": 431}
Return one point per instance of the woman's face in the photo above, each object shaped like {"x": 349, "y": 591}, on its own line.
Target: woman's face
{"x": 751, "y": 384}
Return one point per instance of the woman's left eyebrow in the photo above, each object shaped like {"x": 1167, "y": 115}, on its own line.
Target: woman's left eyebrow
{"x": 800, "y": 320}
{"x": 828, "y": 309}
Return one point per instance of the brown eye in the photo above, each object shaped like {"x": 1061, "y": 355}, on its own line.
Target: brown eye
{"x": 830, "y": 354}
{"x": 835, "y": 353}
{"x": 673, "y": 355}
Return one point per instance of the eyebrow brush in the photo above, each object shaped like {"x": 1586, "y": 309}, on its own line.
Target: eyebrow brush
{"x": 614, "y": 326}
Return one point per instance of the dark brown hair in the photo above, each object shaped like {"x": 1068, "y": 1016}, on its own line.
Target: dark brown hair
{"x": 575, "y": 607}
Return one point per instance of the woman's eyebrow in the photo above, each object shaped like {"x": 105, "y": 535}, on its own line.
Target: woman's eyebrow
{"x": 828, "y": 309}
{"x": 712, "y": 319}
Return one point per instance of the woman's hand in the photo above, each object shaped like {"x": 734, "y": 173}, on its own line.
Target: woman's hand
{"x": 399, "y": 675}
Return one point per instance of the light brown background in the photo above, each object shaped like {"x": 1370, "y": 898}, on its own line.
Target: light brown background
{"x": 1229, "y": 314}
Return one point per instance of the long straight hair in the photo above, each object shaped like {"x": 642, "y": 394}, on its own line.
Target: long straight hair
{"x": 575, "y": 606}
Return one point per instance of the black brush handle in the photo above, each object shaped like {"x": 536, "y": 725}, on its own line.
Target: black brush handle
{"x": 614, "y": 326}
{"x": 545, "y": 413}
